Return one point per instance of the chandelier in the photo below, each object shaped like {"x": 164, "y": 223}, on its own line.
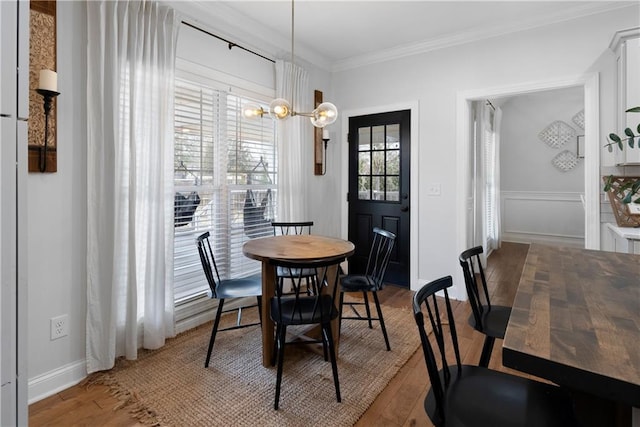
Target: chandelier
{"x": 279, "y": 109}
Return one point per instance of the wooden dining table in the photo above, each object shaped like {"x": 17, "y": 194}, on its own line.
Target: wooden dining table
{"x": 306, "y": 247}
{"x": 576, "y": 322}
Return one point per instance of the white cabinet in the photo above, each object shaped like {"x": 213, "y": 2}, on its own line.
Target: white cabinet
{"x": 14, "y": 70}
{"x": 626, "y": 45}
{"x": 623, "y": 239}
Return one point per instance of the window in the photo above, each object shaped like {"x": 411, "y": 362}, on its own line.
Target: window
{"x": 379, "y": 163}
{"x": 225, "y": 175}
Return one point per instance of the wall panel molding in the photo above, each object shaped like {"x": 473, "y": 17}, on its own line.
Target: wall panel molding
{"x": 542, "y": 217}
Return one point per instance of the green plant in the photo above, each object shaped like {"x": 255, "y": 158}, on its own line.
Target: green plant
{"x": 631, "y": 188}
{"x": 631, "y": 136}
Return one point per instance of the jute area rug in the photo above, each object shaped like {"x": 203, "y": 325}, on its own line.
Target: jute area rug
{"x": 171, "y": 387}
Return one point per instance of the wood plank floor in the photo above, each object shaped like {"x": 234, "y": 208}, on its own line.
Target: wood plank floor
{"x": 399, "y": 404}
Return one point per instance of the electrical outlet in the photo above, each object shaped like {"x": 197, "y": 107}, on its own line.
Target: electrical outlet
{"x": 59, "y": 327}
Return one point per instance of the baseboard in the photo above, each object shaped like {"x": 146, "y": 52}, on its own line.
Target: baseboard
{"x": 52, "y": 382}
{"x": 543, "y": 239}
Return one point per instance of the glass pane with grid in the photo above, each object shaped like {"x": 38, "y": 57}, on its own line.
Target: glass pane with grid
{"x": 379, "y": 163}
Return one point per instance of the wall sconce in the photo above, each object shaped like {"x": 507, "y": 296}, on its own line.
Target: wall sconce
{"x": 325, "y": 139}
{"x": 47, "y": 87}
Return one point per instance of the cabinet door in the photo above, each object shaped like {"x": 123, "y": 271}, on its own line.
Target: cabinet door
{"x": 22, "y": 45}
{"x": 9, "y": 49}
{"x": 628, "y": 96}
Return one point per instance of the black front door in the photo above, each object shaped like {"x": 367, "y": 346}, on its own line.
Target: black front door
{"x": 379, "y": 154}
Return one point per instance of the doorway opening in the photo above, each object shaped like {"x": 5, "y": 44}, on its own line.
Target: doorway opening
{"x": 589, "y": 83}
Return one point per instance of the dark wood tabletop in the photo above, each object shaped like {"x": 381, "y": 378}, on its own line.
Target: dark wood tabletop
{"x": 576, "y": 321}
{"x": 303, "y": 247}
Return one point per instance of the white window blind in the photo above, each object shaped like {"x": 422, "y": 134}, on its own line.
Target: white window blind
{"x": 225, "y": 182}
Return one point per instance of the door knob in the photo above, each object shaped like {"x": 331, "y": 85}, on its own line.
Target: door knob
{"x": 404, "y": 208}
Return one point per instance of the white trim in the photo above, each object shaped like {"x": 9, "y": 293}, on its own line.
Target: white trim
{"x": 542, "y": 195}
{"x": 54, "y": 381}
{"x": 622, "y": 36}
{"x": 548, "y": 198}
{"x": 414, "y": 197}
{"x": 398, "y": 52}
{"x": 590, "y": 83}
{"x": 219, "y": 80}
{"x": 527, "y": 237}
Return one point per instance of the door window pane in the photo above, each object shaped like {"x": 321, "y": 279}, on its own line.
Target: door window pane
{"x": 393, "y": 136}
{"x": 364, "y": 163}
{"x": 379, "y": 163}
{"x": 393, "y": 162}
{"x": 378, "y": 137}
{"x": 377, "y": 184}
{"x": 364, "y": 139}
{"x": 364, "y": 188}
{"x": 393, "y": 188}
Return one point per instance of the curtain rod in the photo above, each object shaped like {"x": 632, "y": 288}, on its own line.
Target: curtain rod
{"x": 229, "y": 43}
{"x": 491, "y": 105}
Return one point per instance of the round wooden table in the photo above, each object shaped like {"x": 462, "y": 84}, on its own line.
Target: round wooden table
{"x": 304, "y": 247}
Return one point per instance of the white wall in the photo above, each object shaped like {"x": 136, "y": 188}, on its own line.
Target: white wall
{"x": 434, "y": 78}
{"x": 57, "y": 223}
{"x": 57, "y": 202}
{"x": 526, "y": 160}
{"x": 540, "y": 203}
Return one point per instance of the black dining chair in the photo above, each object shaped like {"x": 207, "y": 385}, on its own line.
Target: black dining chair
{"x": 288, "y": 228}
{"x": 299, "y": 308}
{"x": 371, "y": 281}
{"x": 466, "y": 395}
{"x": 491, "y": 320}
{"x": 223, "y": 289}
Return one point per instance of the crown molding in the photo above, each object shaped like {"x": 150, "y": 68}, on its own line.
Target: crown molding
{"x": 622, "y": 36}
{"x": 223, "y": 20}
{"x": 475, "y": 35}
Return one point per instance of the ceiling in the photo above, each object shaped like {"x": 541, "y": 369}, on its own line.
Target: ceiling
{"x": 338, "y": 35}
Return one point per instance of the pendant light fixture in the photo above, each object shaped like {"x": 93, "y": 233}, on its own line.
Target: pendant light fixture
{"x": 279, "y": 109}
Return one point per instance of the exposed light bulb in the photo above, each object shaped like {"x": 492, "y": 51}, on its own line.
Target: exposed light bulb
{"x": 279, "y": 108}
{"x": 324, "y": 115}
{"x": 251, "y": 111}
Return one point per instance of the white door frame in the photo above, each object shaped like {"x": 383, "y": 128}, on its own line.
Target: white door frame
{"x": 590, "y": 83}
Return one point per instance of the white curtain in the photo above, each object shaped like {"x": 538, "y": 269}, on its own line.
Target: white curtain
{"x": 490, "y": 133}
{"x": 497, "y": 219}
{"x": 130, "y": 76}
{"x": 294, "y": 133}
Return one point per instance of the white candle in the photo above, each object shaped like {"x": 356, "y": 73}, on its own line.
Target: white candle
{"x": 48, "y": 80}
{"x": 325, "y": 134}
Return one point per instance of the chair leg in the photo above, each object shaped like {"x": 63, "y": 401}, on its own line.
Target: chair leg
{"x": 487, "y": 347}
{"x": 366, "y": 305}
{"x": 280, "y": 339}
{"x": 384, "y": 329}
{"x": 340, "y": 307}
{"x": 324, "y": 350}
{"x": 259, "y": 298}
{"x": 214, "y": 331}
{"x": 274, "y": 356}
{"x": 332, "y": 353}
